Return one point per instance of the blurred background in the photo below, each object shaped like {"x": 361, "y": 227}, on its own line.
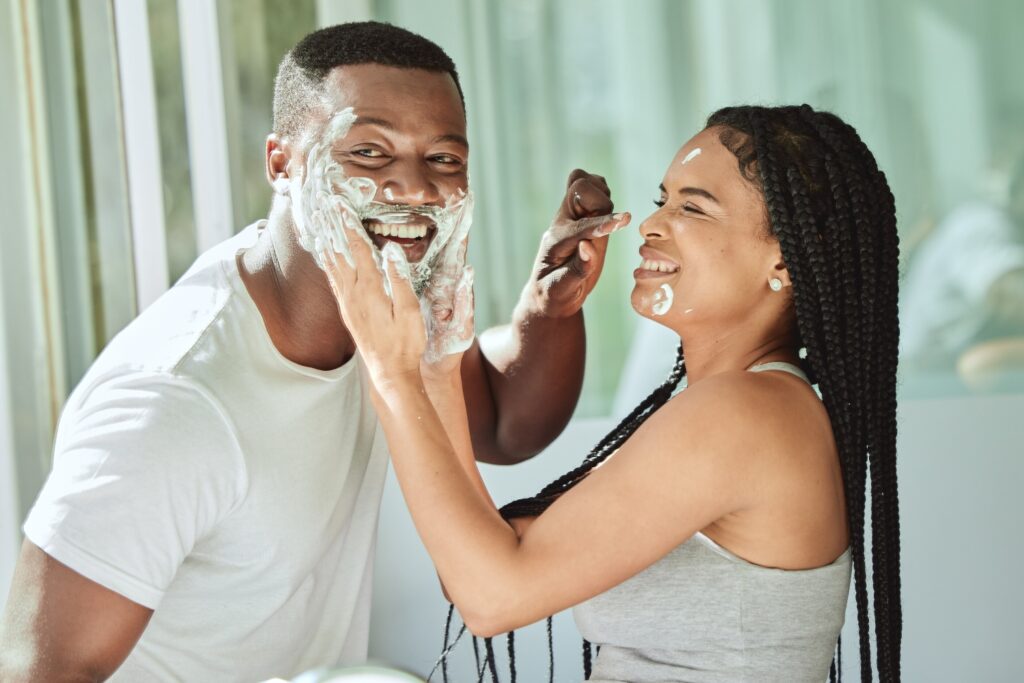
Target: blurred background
{"x": 134, "y": 135}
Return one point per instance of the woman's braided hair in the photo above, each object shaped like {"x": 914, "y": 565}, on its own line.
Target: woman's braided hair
{"x": 833, "y": 214}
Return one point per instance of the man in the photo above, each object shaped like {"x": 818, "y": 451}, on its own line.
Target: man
{"x": 217, "y": 474}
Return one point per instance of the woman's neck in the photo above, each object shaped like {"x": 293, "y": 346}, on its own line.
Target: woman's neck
{"x": 711, "y": 355}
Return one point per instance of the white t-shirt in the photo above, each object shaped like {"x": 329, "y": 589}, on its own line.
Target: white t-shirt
{"x": 200, "y": 473}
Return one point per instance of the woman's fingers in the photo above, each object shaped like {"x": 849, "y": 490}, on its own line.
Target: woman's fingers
{"x": 397, "y": 271}
{"x": 340, "y": 271}
{"x": 464, "y": 304}
{"x": 460, "y": 255}
{"x": 361, "y": 250}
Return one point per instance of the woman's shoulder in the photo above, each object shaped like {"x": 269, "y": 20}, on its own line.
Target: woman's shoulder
{"x": 751, "y": 412}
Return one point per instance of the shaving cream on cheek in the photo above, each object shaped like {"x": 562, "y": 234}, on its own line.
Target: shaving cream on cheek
{"x": 662, "y": 301}
{"x": 322, "y": 196}
{"x": 326, "y": 201}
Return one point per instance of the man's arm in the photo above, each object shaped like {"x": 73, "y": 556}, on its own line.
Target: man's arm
{"x": 522, "y": 380}
{"x": 60, "y": 626}
{"x": 144, "y": 464}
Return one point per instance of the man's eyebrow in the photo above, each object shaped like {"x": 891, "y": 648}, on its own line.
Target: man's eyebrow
{"x": 387, "y": 125}
{"x": 453, "y": 137}
{"x": 371, "y": 121}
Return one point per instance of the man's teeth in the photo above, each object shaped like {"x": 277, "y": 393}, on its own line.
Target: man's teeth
{"x": 659, "y": 266}
{"x": 404, "y": 231}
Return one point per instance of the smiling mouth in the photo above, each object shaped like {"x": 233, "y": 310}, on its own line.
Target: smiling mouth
{"x": 659, "y": 266}
{"x": 652, "y": 268}
{"x": 411, "y": 232}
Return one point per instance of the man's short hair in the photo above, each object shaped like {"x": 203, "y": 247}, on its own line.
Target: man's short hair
{"x": 299, "y": 87}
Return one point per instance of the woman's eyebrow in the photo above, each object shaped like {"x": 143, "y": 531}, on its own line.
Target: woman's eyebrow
{"x": 700, "y": 192}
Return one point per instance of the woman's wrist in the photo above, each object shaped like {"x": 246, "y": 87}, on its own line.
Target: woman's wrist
{"x": 394, "y": 383}
{"x": 446, "y": 371}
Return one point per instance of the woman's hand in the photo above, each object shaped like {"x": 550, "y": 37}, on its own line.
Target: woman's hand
{"x": 387, "y": 330}
{"x": 447, "y": 305}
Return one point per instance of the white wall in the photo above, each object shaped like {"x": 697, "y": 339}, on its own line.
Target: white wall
{"x": 961, "y": 476}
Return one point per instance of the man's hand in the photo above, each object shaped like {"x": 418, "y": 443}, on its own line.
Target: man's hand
{"x": 542, "y": 352}
{"x": 572, "y": 250}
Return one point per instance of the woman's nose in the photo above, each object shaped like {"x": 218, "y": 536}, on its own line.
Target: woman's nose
{"x": 652, "y": 227}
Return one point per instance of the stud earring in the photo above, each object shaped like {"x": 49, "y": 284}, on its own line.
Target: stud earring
{"x": 775, "y": 284}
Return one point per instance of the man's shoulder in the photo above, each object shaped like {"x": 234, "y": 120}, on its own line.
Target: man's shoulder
{"x": 178, "y": 323}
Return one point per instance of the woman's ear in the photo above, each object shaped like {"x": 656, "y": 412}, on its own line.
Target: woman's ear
{"x": 777, "y": 275}
{"x": 781, "y": 272}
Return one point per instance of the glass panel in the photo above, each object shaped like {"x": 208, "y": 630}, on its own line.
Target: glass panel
{"x": 254, "y": 38}
{"x": 66, "y": 263}
{"x": 179, "y": 223}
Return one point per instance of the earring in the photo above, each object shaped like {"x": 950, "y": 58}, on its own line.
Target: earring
{"x": 775, "y": 284}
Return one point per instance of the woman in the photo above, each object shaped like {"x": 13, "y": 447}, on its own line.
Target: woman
{"x": 716, "y": 539}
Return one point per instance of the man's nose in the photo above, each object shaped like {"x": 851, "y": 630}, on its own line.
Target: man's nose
{"x": 409, "y": 183}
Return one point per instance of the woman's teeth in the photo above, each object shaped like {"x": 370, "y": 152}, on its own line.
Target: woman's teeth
{"x": 659, "y": 266}
{"x": 403, "y": 231}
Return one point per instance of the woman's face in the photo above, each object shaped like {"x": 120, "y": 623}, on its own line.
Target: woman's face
{"x": 707, "y": 256}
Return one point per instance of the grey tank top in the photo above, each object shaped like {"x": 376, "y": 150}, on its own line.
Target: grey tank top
{"x": 704, "y": 615}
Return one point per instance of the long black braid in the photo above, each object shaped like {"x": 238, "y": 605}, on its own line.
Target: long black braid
{"x": 833, "y": 214}
{"x": 530, "y": 507}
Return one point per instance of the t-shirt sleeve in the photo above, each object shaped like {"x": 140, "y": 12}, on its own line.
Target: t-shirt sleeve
{"x": 144, "y": 466}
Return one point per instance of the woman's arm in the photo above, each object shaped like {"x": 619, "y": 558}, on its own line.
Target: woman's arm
{"x": 667, "y": 482}
{"x": 445, "y": 391}
{"x": 657, "y": 491}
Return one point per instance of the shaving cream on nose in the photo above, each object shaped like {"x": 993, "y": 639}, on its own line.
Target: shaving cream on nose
{"x": 662, "y": 300}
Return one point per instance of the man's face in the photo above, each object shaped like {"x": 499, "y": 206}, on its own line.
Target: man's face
{"x": 409, "y": 138}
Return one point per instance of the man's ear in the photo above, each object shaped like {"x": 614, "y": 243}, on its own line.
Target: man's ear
{"x": 277, "y": 157}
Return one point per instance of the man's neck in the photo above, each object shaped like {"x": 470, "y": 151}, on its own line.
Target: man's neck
{"x": 294, "y": 299}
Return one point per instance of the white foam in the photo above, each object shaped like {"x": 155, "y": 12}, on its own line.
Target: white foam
{"x": 326, "y": 204}
{"x": 326, "y": 199}
{"x": 691, "y": 156}
{"x": 662, "y": 300}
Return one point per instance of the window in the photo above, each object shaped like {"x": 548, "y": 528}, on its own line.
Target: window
{"x": 136, "y": 142}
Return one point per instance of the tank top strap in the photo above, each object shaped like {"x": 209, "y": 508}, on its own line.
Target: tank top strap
{"x": 782, "y": 366}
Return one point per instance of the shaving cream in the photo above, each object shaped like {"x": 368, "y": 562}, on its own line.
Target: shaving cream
{"x": 662, "y": 300}
{"x": 327, "y": 201}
